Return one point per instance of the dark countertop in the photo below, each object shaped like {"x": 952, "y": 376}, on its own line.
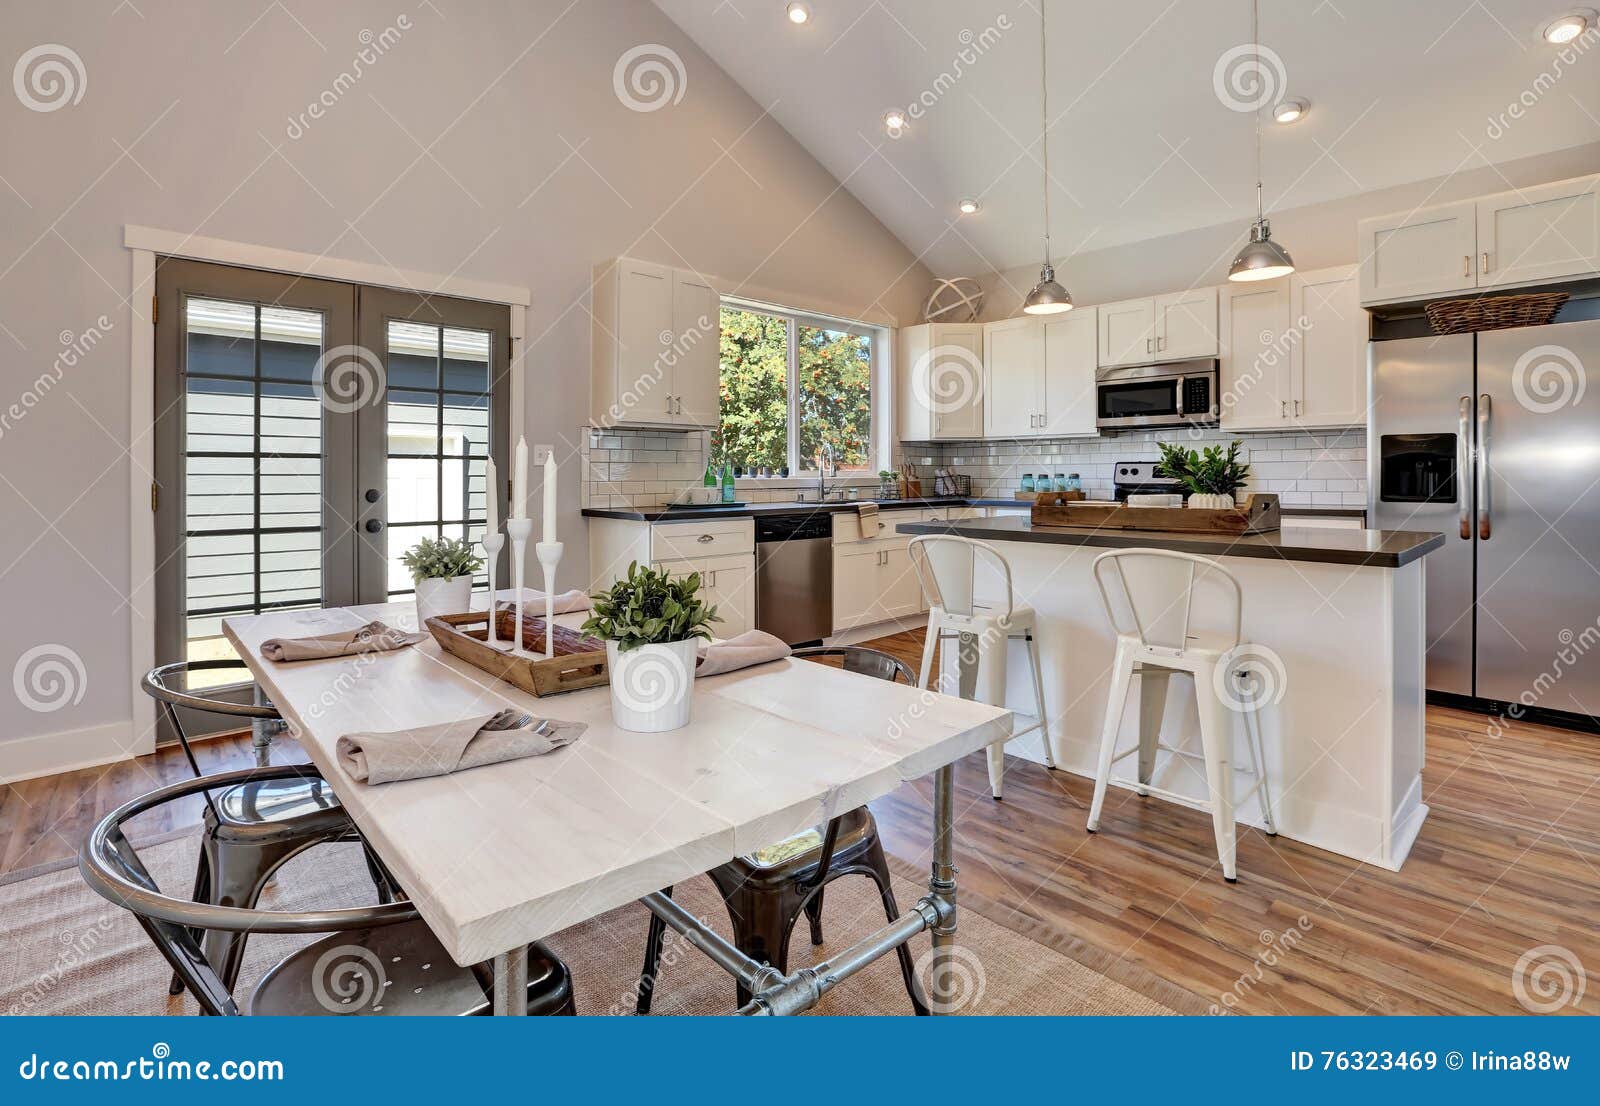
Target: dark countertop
{"x": 1374, "y": 548}
{"x": 753, "y": 510}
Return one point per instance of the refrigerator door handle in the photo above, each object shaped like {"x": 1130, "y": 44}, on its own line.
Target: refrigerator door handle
{"x": 1484, "y": 528}
{"x": 1463, "y": 465}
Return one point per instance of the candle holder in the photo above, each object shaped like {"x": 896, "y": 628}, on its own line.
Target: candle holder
{"x": 549, "y": 554}
{"x": 492, "y": 544}
{"x": 519, "y": 530}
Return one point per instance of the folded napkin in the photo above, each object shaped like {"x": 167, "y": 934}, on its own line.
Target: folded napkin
{"x": 749, "y": 648}
{"x": 533, "y": 602}
{"x": 374, "y": 637}
{"x": 451, "y": 746}
{"x": 867, "y": 520}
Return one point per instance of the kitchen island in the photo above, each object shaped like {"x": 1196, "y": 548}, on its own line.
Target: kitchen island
{"x": 1338, "y": 617}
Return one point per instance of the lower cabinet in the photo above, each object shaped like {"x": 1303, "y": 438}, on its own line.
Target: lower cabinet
{"x": 873, "y": 582}
{"x": 729, "y": 584}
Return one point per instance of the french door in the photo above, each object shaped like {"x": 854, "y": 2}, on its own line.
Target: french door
{"x": 308, "y": 432}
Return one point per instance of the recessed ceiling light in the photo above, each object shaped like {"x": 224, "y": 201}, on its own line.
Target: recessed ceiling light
{"x": 1290, "y": 111}
{"x": 894, "y": 121}
{"x": 799, "y": 13}
{"x": 1559, "y": 32}
{"x": 970, "y": 207}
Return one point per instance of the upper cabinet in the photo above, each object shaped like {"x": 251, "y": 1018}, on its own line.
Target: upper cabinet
{"x": 1039, "y": 375}
{"x": 655, "y": 353}
{"x": 939, "y": 381}
{"x": 1254, "y": 374}
{"x": 1174, "y": 327}
{"x": 1071, "y": 342}
{"x": 1527, "y": 236}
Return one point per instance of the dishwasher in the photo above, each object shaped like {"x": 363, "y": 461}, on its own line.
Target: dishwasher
{"x": 794, "y": 577}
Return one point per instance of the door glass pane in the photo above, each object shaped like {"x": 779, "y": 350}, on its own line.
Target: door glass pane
{"x": 252, "y": 468}
{"x": 834, "y": 392}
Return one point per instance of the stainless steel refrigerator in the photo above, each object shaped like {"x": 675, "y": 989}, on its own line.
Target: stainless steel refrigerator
{"x": 1494, "y": 439}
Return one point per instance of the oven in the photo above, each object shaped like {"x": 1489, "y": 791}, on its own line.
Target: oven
{"x": 1181, "y": 393}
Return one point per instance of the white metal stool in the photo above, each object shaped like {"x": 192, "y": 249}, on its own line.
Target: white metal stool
{"x": 947, "y": 569}
{"x": 1159, "y": 644}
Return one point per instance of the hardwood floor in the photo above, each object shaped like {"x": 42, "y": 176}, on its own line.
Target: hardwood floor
{"x": 1508, "y": 862}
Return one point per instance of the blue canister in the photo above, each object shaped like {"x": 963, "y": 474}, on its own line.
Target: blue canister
{"x": 1060, "y": 483}
{"x": 1027, "y": 482}
{"x": 1073, "y": 483}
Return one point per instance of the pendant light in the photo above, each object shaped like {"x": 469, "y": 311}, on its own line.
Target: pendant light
{"x": 1047, "y": 297}
{"x": 1261, "y": 258}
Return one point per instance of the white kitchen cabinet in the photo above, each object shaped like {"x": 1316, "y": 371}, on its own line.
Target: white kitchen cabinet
{"x": 1418, "y": 254}
{"x": 1013, "y": 363}
{"x": 1549, "y": 232}
{"x": 1186, "y": 325}
{"x": 874, "y": 582}
{"x": 939, "y": 382}
{"x": 1127, "y": 332}
{"x": 1328, "y": 360}
{"x": 655, "y": 357}
{"x": 1070, "y": 345}
{"x": 1255, "y": 378}
{"x": 901, "y": 592}
{"x": 721, "y": 550}
{"x": 729, "y": 584}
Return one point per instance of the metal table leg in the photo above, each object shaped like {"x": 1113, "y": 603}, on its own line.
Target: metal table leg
{"x": 942, "y": 889}
{"x": 511, "y": 983}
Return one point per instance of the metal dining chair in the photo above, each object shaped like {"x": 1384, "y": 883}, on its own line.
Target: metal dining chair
{"x": 381, "y": 959}
{"x": 254, "y": 825}
{"x": 767, "y": 891}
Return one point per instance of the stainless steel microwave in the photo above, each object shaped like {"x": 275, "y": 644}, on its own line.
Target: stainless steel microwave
{"x": 1143, "y": 397}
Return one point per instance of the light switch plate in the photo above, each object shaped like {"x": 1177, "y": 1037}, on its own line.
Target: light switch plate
{"x": 540, "y": 452}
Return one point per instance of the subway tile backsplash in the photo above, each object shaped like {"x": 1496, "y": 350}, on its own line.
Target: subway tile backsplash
{"x": 646, "y": 468}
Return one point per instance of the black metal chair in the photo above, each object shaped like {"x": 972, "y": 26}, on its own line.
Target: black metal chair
{"x": 381, "y": 959}
{"x": 254, "y": 825}
{"x": 768, "y": 890}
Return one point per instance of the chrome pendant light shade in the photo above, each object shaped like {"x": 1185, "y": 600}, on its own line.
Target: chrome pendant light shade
{"x": 1261, "y": 258}
{"x": 1048, "y": 297}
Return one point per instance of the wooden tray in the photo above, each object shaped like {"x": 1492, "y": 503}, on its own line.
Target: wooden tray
{"x": 1064, "y": 497}
{"x": 1258, "y": 514}
{"x": 579, "y": 662}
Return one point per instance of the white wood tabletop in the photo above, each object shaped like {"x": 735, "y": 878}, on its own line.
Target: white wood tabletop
{"x": 498, "y": 856}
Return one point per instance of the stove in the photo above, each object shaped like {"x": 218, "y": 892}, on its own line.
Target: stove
{"x": 1139, "y": 478}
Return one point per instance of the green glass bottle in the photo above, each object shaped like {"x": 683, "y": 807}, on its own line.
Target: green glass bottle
{"x": 710, "y": 480}
{"x": 727, "y": 484}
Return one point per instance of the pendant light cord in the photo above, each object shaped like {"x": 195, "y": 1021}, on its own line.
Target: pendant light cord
{"x": 1255, "y": 38}
{"x": 1044, "y": 128}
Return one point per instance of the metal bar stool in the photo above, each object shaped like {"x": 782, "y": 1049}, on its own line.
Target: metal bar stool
{"x": 767, "y": 891}
{"x": 947, "y": 568}
{"x": 1156, "y": 639}
{"x": 381, "y": 960}
{"x": 254, "y": 825}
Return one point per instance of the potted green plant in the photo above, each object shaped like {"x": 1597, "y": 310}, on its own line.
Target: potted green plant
{"x": 651, "y": 622}
{"x": 888, "y": 484}
{"x": 1211, "y": 478}
{"x": 442, "y": 570}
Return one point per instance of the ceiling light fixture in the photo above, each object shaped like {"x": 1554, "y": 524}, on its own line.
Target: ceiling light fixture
{"x": 1290, "y": 111}
{"x": 1261, "y": 258}
{"x": 1047, "y": 297}
{"x": 1559, "y": 32}
{"x": 970, "y": 207}
{"x": 894, "y": 121}
{"x": 799, "y": 13}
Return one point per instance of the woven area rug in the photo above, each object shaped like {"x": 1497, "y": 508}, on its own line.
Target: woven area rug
{"x": 64, "y": 950}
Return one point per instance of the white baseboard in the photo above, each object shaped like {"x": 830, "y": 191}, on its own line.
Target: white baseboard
{"x": 50, "y": 754}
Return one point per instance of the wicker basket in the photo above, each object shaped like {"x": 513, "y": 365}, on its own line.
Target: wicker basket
{"x": 1494, "y": 312}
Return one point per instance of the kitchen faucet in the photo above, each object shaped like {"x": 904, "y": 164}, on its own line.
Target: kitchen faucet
{"x": 825, "y": 460}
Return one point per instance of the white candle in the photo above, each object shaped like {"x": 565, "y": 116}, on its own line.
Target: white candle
{"x": 491, "y": 481}
{"x": 550, "y": 496}
{"x": 519, "y": 481}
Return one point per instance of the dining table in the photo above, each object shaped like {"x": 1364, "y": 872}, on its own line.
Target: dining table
{"x": 499, "y": 856}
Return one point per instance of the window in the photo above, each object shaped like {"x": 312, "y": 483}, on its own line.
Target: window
{"x": 793, "y": 387}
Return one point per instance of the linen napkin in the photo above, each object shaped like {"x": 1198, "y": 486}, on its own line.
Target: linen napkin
{"x": 449, "y": 747}
{"x": 867, "y": 520}
{"x": 741, "y": 651}
{"x": 533, "y": 602}
{"x": 374, "y": 637}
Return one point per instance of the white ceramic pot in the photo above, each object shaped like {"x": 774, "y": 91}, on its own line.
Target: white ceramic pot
{"x": 437, "y": 597}
{"x": 652, "y": 686}
{"x": 1203, "y": 502}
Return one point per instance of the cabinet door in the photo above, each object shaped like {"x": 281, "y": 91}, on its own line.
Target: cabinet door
{"x": 644, "y": 337}
{"x": 913, "y": 415}
{"x": 1420, "y": 253}
{"x": 855, "y": 587}
{"x": 696, "y": 351}
{"x": 1127, "y": 332}
{"x": 1013, "y": 361}
{"x": 1328, "y": 358}
{"x": 728, "y": 583}
{"x": 1255, "y": 354}
{"x": 953, "y": 383}
{"x": 899, "y": 591}
{"x": 1542, "y": 233}
{"x": 1070, "y": 342}
{"x": 1186, "y": 325}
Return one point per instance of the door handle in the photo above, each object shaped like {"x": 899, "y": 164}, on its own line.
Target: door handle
{"x": 1161, "y": 342}
{"x": 669, "y": 405}
{"x": 1283, "y": 408}
{"x": 711, "y": 583}
{"x": 372, "y": 495}
{"x": 1463, "y": 463}
{"x": 1484, "y": 528}
{"x": 374, "y": 525}
{"x": 1466, "y": 264}
{"x": 680, "y": 405}
{"x": 705, "y": 539}
{"x": 1149, "y": 345}
{"x": 1483, "y": 263}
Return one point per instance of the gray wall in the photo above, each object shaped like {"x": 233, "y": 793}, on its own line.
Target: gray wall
{"x": 534, "y": 169}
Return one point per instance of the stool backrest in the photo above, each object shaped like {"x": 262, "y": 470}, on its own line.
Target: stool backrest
{"x": 868, "y": 662}
{"x": 947, "y": 569}
{"x": 1151, "y": 592}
